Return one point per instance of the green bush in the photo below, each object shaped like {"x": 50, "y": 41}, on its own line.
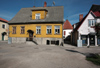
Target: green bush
{"x": 95, "y": 58}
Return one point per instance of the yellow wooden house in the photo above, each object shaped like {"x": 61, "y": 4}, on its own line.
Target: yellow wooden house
{"x": 42, "y": 25}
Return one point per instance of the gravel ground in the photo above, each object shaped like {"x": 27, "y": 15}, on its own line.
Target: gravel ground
{"x": 42, "y": 56}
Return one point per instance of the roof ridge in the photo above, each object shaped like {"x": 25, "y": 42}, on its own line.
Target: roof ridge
{"x": 45, "y": 7}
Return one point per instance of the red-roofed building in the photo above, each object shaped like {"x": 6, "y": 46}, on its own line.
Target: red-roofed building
{"x": 67, "y": 25}
{"x": 3, "y": 29}
{"x": 1, "y": 19}
{"x": 67, "y": 28}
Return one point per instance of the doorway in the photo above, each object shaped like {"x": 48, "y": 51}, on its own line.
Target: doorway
{"x": 3, "y": 35}
{"x": 30, "y": 35}
{"x": 84, "y": 40}
{"x": 92, "y": 40}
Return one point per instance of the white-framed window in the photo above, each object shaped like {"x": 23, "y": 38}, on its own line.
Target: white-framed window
{"x": 37, "y": 16}
{"x": 3, "y": 26}
{"x": 92, "y": 22}
{"x": 49, "y": 28}
{"x": 22, "y": 29}
{"x": 14, "y": 30}
{"x": 38, "y": 29}
{"x": 57, "y": 29}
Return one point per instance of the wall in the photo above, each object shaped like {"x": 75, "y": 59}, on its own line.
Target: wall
{"x": 67, "y": 32}
{"x": 33, "y": 27}
{"x": 84, "y": 28}
{"x": 3, "y": 30}
{"x": 76, "y": 37}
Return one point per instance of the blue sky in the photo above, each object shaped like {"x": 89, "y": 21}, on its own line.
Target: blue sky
{"x": 72, "y": 8}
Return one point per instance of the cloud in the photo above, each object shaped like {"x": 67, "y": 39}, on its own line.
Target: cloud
{"x": 75, "y": 18}
{"x": 6, "y": 14}
{"x": 77, "y": 15}
{"x": 74, "y": 21}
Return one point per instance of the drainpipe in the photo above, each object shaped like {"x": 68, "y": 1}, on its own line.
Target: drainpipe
{"x": 62, "y": 35}
{"x": 88, "y": 41}
{"x": 96, "y": 40}
{"x": 79, "y": 35}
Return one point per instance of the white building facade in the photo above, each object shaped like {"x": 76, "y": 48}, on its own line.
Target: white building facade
{"x": 3, "y": 29}
{"x": 67, "y": 29}
{"x": 85, "y": 30}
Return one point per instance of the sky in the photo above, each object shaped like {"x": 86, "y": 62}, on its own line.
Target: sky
{"x": 72, "y": 8}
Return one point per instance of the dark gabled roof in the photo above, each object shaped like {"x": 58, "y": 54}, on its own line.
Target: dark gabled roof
{"x": 94, "y": 8}
{"x": 1, "y": 19}
{"x": 55, "y": 14}
{"x": 67, "y": 25}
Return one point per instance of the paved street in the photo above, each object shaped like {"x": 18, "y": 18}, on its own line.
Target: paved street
{"x": 42, "y": 56}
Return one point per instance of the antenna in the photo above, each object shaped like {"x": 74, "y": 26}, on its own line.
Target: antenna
{"x": 53, "y": 4}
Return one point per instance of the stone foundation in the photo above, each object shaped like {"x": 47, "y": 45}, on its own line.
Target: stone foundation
{"x": 18, "y": 40}
{"x": 44, "y": 40}
{"x": 39, "y": 41}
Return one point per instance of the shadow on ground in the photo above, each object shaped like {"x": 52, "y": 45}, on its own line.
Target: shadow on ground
{"x": 74, "y": 51}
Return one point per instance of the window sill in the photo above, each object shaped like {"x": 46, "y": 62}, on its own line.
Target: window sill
{"x": 38, "y": 34}
{"x": 22, "y": 33}
{"x": 12, "y": 33}
{"x": 57, "y": 34}
{"x": 48, "y": 34}
{"x": 92, "y": 26}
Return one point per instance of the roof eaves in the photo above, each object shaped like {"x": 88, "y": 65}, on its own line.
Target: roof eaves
{"x": 93, "y": 13}
{"x": 1, "y": 19}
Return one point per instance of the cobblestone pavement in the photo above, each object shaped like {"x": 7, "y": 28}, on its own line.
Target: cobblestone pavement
{"x": 42, "y": 56}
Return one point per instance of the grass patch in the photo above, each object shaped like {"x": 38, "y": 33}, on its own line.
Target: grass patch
{"x": 94, "y": 58}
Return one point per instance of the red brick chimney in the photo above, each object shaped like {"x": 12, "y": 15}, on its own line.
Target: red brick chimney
{"x": 80, "y": 17}
{"x": 45, "y": 4}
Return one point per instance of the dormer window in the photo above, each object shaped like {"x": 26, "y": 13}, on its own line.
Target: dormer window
{"x": 92, "y": 22}
{"x": 37, "y": 16}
